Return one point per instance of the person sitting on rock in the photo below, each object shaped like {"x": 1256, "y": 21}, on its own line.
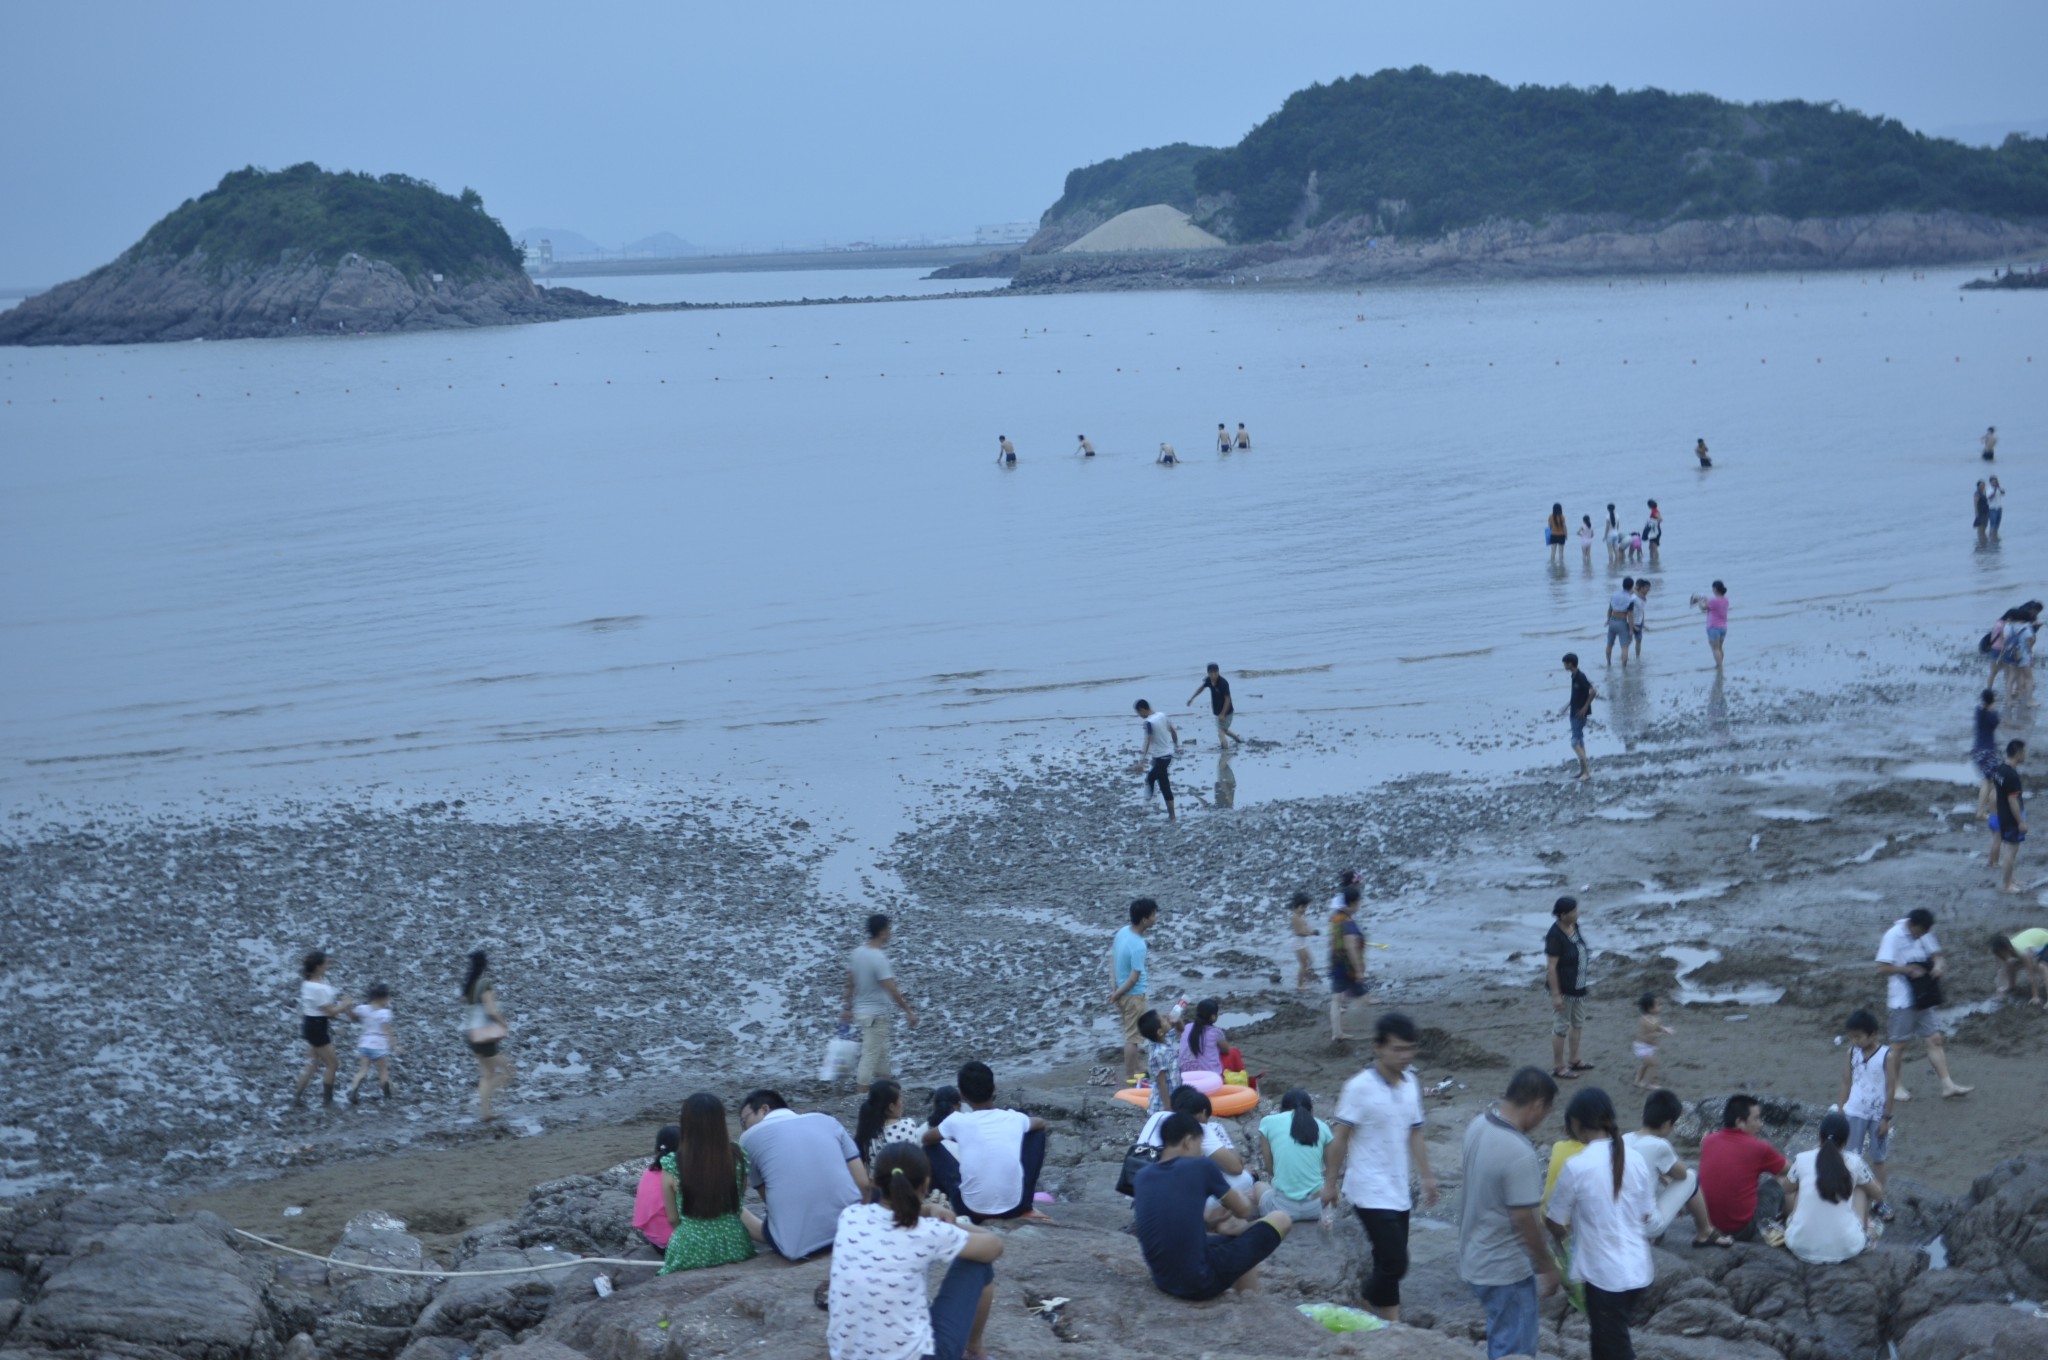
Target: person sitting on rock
{"x": 806, "y": 1169}
{"x": 1185, "y": 1259}
{"x": 1733, "y": 1160}
{"x": 702, "y": 1183}
{"x": 1677, "y": 1187}
{"x": 650, "y": 1214}
{"x": 1829, "y": 1218}
{"x": 881, "y": 1258}
{"x": 1203, "y": 1041}
{"x": 1001, "y": 1153}
{"x": 1216, "y": 1144}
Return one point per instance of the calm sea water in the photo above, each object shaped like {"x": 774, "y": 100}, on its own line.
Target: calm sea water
{"x": 772, "y": 548}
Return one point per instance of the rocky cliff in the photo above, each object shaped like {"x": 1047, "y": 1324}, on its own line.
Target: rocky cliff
{"x": 137, "y": 300}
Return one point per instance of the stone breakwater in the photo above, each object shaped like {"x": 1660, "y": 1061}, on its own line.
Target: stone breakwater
{"x": 134, "y": 301}
{"x": 120, "y": 1274}
{"x": 1346, "y": 252}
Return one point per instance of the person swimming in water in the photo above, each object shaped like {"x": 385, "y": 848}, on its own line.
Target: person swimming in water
{"x": 1244, "y": 440}
{"x": 1006, "y": 452}
{"x": 1699, "y": 451}
{"x": 1085, "y": 449}
{"x": 1222, "y": 438}
{"x": 1166, "y": 455}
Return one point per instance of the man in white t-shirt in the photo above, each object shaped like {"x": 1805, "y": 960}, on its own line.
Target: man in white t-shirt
{"x": 1001, "y": 1152}
{"x": 1378, "y": 1138}
{"x": 1623, "y": 609}
{"x": 1678, "y": 1187}
{"x": 1155, "y": 757}
{"x": 870, "y": 993}
{"x": 1908, "y": 955}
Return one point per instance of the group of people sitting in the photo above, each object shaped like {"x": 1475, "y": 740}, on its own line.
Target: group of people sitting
{"x": 899, "y": 1196}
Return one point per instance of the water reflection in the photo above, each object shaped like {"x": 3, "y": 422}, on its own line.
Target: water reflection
{"x": 1717, "y": 712}
{"x": 1226, "y": 779}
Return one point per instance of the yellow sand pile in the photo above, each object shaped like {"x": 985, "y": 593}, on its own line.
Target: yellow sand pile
{"x": 1159, "y": 227}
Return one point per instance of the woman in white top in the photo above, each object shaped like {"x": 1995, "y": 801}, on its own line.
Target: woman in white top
{"x": 484, "y": 1030}
{"x": 881, "y": 1254}
{"x": 1829, "y": 1219}
{"x": 1605, "y": 1198}
{"x": 318, "y": 1005}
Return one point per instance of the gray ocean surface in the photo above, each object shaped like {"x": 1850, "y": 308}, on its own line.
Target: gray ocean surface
{"x": 771, "y": 548}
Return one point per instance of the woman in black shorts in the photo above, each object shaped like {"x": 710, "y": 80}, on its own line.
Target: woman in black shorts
{"x": 483, "y": 1029}
{"x": 318, "y": 1005}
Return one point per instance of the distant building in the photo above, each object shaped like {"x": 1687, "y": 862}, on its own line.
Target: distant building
{"x": 1005, "y": 233}
{"x": 541, "y": 256}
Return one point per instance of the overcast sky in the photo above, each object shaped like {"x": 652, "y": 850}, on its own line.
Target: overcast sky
{"x": 764, "y": 124}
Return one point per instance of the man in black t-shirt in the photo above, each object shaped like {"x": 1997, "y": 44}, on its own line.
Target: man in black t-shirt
{"x": 1578, "y": 709}
{"x": 2012, "y": 811}
{"x": 1219, "y": 704}
{"x": 1568, "y": 963}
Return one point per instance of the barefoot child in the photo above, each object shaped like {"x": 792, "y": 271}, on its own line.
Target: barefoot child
{"x": 1299, "y": 933}
{"x": 377, "y": 1044}
{"x": 1648, "y": 1030}
{"x": 1868, "y": 1086}
{"x": 1162, "y": 1057}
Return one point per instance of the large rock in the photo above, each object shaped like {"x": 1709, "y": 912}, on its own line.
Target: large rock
{"x": 1977, "y": 1332}
{"x": 589, "y": 1215}
{"x": 388, "y": 1301}
{"x": 468, "y": 1304}
{"x": 176, "y": 1288}
{"x": 2002, "y": 1231}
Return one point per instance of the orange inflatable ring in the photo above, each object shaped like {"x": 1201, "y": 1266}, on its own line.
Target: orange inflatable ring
{"x": 1227, "y": 1101}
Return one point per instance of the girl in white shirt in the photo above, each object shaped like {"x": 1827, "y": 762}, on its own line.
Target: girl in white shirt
{"x": 377, "y": 1045}
{"x": 1605, "y": 1198}
{"x": 1829, "y": 1219}
{"x": 881, "y": 1254}
{"x": 318, "y": 1005}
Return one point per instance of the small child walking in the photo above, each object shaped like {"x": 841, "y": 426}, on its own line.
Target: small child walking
{"x": 1649, "y": 1029}
{"x": 1299, "y": 935}
{"x": 377, "y": 1045}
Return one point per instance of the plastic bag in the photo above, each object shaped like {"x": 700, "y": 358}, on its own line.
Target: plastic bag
{"x": 1336, "y": 1318}
{"x": 842, "y": 1051}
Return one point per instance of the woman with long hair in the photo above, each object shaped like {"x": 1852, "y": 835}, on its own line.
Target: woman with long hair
{"x": 1604, "y": 1197}
{"x": 1554, "y": 531}
{"x": 1612, "y": 533}
{"x": 881, "y": 1121}
{"x": 1202, "y": 1042}
{"x": 1829, "y": 1217}
{"x": 702, "y": 1183}
{"x": 318, "y": 1005}
{"x": 650, "y": 1211}
{"x": 1294, "y": 1140}
{"x": 881, "y": 1256}
{"x": 484, "y": 1030}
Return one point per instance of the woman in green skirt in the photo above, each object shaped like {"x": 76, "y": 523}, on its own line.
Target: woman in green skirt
{"x": 702, "y": 1183}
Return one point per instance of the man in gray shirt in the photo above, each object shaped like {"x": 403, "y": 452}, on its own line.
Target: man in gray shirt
{"x": 1501, "y": 1251}
{"x": 806, "y": 1169}
{"x": 870, "y": 991}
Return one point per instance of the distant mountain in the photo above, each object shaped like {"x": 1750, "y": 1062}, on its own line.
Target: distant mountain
{"x": 664, "y": 245}
{"x": 568, "y": 244}
{"x": 1414, "y": 154}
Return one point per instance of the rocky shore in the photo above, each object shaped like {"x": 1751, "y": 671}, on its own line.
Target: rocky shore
{"x": 1344, "y": 253}
{"x": 127, "y": 1275}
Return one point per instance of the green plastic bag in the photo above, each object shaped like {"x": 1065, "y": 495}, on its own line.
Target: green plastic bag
{"x": 1337, "y": 1318}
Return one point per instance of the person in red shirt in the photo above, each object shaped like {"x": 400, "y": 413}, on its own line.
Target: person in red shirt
{"x": 1731, "y": 1160}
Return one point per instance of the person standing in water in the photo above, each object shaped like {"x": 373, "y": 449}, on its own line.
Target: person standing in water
{"x": 1006, "y": 452}
{"x": 1699, "y": 451}
{"x": 1555, "y": 532}
{"x": 1166, "y": 456}
{"x": 1715, "y": 607}
{"x": 1244, "y": 440}
{"x": 1642, "y": 613}
{"x": 1621, "y": 618}
{"x": 1222, "y": 438}
{"x": 1984, "y": 748}
{"x": 1613, "y": 535}
{"x": 1579, "y": 708}
{"x": 1980, "y": 511}
{"x": 1084, "y": 448}
{"x": 1155, "y": 757}
{"x": 1994, "y": 506}
{"x": 1653, "y": 531}
{"x": 1586, "y": 537}
{"x": 1990, "y": 443}
{"x": 1220, "y": 704}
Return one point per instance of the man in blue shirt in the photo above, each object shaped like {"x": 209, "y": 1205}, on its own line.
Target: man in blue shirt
{"x": 1127, "y": 979}
{"x": 1168, "y": 1216}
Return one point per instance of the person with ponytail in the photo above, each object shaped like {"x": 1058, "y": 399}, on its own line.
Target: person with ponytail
{"x": 650, "y": 1211}
{"x": 1203, "y": 1041}
{"x": 881, "y": 1121}
{"x": 1604, "y": 1199}
{"x": 881, "y": 1255}
{"x": 1829, "y": 1220}
{"x": 1295, "y": 1140}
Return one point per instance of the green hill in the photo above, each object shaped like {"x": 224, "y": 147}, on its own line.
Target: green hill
{"x": 1160, "y": 174}
{"x": 1416, "y": 153}
{"x": 304, "y": 213}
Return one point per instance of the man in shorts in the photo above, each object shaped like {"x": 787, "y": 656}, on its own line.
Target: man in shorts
{"x": 1168, "y": 1216}
{"x": 1567, "y": 972}
{"x": 1910, "y": 954}
{"x": 1579, "y": 708}
{"x": 2009, "y": 794}
{"x": 1127, "y": 980}
{"x": 1621, "y": 619}
{"x": 1220, "y": 704}
{"x": 1347, "y": 957}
